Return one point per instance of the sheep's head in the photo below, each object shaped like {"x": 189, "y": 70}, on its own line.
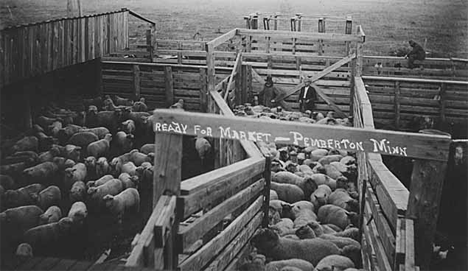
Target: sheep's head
{"x": 305, "y": 232}
{"x": 265, "y": 239}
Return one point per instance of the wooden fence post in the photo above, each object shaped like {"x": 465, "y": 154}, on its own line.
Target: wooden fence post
{"x": 427, "y": 181}
{"x": 136, "y": 81}
{"x": 348, "y": 30}
{"x": 266, "y": 194}
{"x": 203, "y": 90}
{"x": 442, "y": 101}
{"x": 397, "y": 96}
{"x": 321, "y": 29}
{"x": 254, "y": 21}
{"x": 169, "y": 86}
{"x": 149, "y": 44}
{"x": 299, "y": 21}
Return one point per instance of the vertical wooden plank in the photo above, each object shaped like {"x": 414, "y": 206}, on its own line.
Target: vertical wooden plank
{"x": 167, "y": 176}
{"x": 38, "y": 50}
{"x": 409, "y": 242}
{"x": 97, "y": 39}
{"x": 397, "y": 104}
{"x": 55, "y": 45}
{"x": 44, "y": 47}
{"x": 266, "y": 191}
{"x": 62, "y": 41}
{"x": 126, "y": 29}
{"x": 83, "y": 42}
{"x": 149, "y": 44}
{"x": 169, "y": 85}
{"x": 299, "y": 21}
{"x": 50, "y": 44}
{"x": 66, "y": 43}
{"x": 2, "y": 59}
{"x": 14, "y": 55}
{"x": 87, "y": 38}
{"x": 442, "y": 102}
{"x": 321, "y": 29}
{"x": 348, "y": 30}
{"x": 32, "y": 44}
{"x": 76, "y": 40}
{"x": 203, "y": 90}
{"x": 210, "y": 63}
{"x": 276, "y": 21}
{"x": 107, "y": 35}
{"x": 6, "y": 56}
{"x": 427, "y": 180}
{"x": 136, "y": 81}
{"x": 22, "y": 36}
{"x": 92, "y": 37}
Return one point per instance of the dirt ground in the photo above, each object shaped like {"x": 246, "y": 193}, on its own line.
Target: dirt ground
{"x": 388, "y": 24}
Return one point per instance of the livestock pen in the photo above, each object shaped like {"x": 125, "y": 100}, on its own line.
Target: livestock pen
{"x": 185, "y": 229}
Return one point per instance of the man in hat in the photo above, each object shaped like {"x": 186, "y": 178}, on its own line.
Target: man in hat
{"x": 267, "y": 95}
{"x": 307, "y": 97}
{"x": 417, "y": 53}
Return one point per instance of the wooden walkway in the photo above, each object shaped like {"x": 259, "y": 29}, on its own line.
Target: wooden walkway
{"x": 48, "y": 263}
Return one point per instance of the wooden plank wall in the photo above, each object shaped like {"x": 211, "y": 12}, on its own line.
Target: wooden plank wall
{"x": 286, "y": 71}
{"x": 396, "y": 101}
{"x": 432, "y": 68}
{"x": 34, "y": 49}
{"x": 383, "y": 199}
{"x": 160, "y": 84}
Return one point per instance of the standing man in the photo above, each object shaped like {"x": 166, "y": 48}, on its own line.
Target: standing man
{"x": 417, "y": 53}
{"x": 307, "y": 97}
{"x": 267, "y": 95}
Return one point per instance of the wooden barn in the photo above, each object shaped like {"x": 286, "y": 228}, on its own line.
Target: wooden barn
{"x": 71, "y": 59}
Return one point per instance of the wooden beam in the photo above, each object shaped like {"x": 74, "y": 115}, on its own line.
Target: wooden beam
{"x": 299, "y": 35}
{"x": 233, "y": 74}
{"x": 430, "y": 147}
{"x": 396, "y": 101}
{"x": 134, "y": 14}
{"x": 167, "y": 176}
{"x": 203, "y": 256}
{"x": 223, "y": 38}
{"x": 415, "y": 80}
{"x": 317, "y": 76}
{"x": 427, "y": 181}
{"x": 443, "y": 102}
{"x": 202, "y": 225}
{"x": 136, "y": 81}
{"x": 329, "y": 101}
{"x": 266, "y": 191}
{"x": 169, "y": 86}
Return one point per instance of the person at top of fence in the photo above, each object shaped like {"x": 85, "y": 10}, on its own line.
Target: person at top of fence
{"x": 267, "y": 95}
{"x": 417, "y": 53}
{"x": 307, "y": 97}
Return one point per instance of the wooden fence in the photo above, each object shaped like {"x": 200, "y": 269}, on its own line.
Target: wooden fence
{"x": 398, "y": 225}
{"x": 398, "y": 100}
{"x": 238, "y": 189}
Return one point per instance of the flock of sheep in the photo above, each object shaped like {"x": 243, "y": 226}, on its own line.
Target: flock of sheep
{"x": 71, "y": 166}
{"x": 313, "y": 216}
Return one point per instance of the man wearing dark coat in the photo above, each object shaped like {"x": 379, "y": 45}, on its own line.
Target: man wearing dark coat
{"x": 307, "y": 97}
{"x": 417, "y": 53}
{"x": 267, "y": 95}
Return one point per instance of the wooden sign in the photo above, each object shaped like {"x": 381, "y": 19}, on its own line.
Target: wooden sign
{"x": 421, "y": 146}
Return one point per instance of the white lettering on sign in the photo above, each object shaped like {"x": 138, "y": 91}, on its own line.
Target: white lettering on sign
{"x": 171, "y": 127}
{"x": 198, "y": 130}
{"x": 385, "y": 147}
{"x": 227, "y": 132}
{"x": 300, "y": 140}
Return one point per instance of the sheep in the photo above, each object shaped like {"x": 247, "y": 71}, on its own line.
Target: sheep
{"x": 279, "y": 205}
{"x": 129, "y": 181}
{"x": 330, "y": 158}
{"x": 44, "y": 235}
{"x": 303, "y": 214}
{"x": 83, "y": 139}
{"x": 320, "y": 196}
{"x": 24, "y": 250}
{"x": 75, "y": 174}
{"x": 78, "y": 212}
{"x": 104, "y": 179}
{"x": 123, "y": 142}
{"x": 128, "y": 126}
{"x": 23, "y": 196}
{"x": 306, "y": 184}
{"x": 90, "y": 163}
{"x": 288, "y": 192}
{"x": 129, "y": 168}
{"x": 341, "y": 198}
{"x": 41, "y": 173}
{"x": 332, "y": 171}
{"x": 283, "y": 227}
{"x": 20, "y": 219}
{"x": 320, "y": 178}
{"x": 139, "y": 158}
{"x": 273, "y": 195}
{"x": 351, "y": 232}
{"x": 28, "y": 143}
{"x": 315, "y": 155}
{"x": 51, "y": 215}
{"x": 278, "y": 248}
{"x": 148, "y": 148}
{"x": 317, "y": 229}
{"x": 101, "y": 132}
{"x": 100, "y": 147}
{"x": 339, "y": 241}
{"x": 48, "y": 197}
{"x": 7, "y": 182}
{"x": 102, "y": 167}
{"x": 334, "y": 262}
{"x": 96, "y": 194}
{"x": 77, "y": 192}
{"x": 297, "y": 263}
{"x": 336, "y": 215}
{"x": 127, "y": 200}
